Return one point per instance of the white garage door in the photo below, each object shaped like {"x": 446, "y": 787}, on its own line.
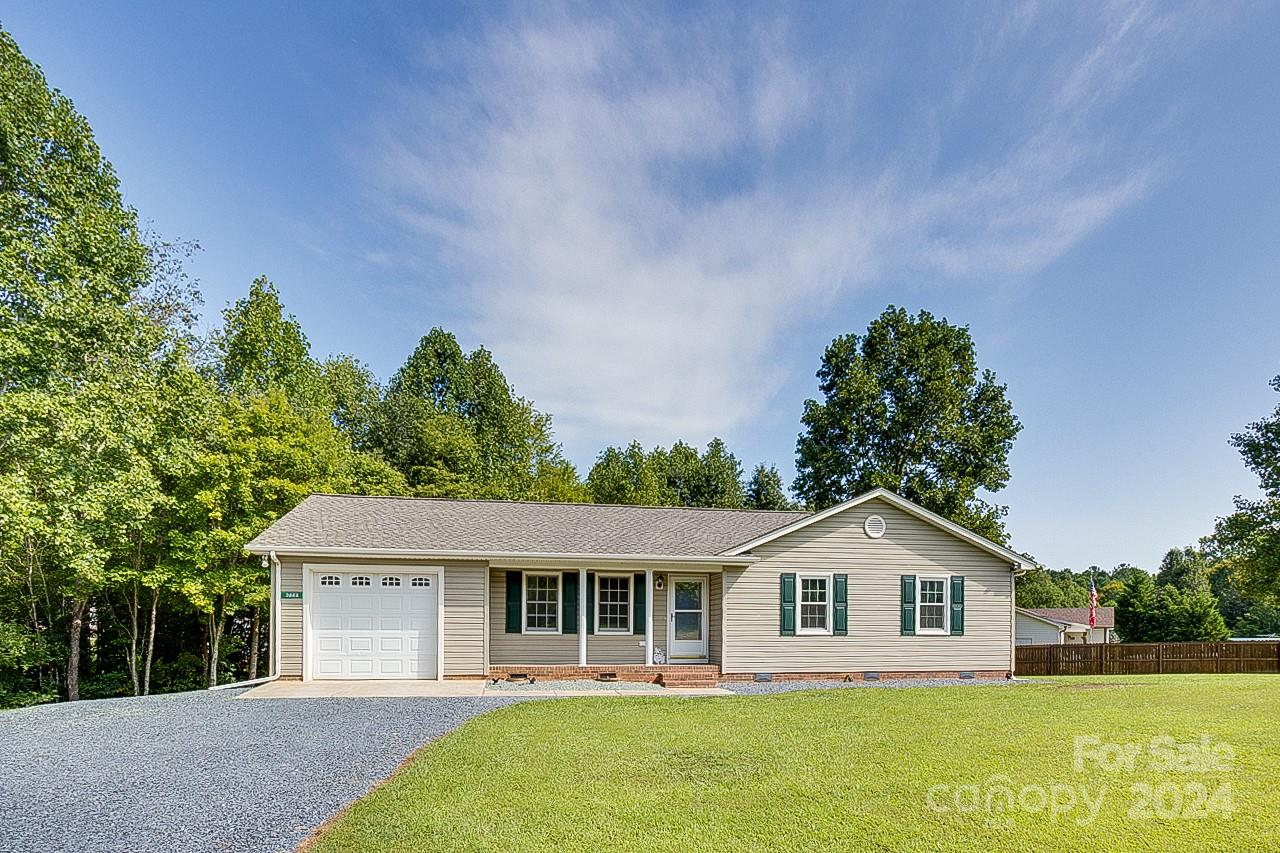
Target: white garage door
{"x": 374, "y": 624}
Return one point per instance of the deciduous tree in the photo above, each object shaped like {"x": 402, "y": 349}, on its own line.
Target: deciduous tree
{"x": 905, "y": 406}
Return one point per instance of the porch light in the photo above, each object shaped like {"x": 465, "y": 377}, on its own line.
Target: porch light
{"x": 657, "y": 583}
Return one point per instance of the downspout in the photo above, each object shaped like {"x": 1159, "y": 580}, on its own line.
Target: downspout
{"x": 274, "y": 639}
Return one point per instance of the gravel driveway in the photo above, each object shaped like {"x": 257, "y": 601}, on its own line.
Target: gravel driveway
{"x": 201, "y": 771}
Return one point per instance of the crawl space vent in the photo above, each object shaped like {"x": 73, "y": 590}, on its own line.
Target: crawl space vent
{"x": 874, "y": 526}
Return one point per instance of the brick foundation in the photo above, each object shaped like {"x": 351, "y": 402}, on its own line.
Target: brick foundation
{"x": 671, "y": 676}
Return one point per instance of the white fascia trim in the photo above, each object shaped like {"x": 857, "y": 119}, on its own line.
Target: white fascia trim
{"x": 1019, "y": 561}
{"x": 1045, "y": 619}
{"x": 719, "y": 560}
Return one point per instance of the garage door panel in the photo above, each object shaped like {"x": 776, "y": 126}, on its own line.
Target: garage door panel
{"x": 374, "y": 631}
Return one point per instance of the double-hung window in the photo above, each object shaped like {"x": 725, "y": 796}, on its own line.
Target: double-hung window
{"x": 815, "y": 604}
{"x": 613, "y": 604}
{"x": 931, "y": 613}
{"x": 541, "y": 603}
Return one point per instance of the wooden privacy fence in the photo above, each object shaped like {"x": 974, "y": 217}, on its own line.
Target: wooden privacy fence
{"x": 1147, "y": 658}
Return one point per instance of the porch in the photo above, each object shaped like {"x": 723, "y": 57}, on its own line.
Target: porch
{"x": 654, "y": 624}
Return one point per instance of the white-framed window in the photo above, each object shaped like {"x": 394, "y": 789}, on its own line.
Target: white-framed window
{"x": 613, "y": 604}
{"x": 933, "y": 604}
{"x": 541, "y": 602}
{"x": 361, "y": 580}
{"x": 815, "y": 604}
{"x": 390, "y": 581}
{"x": 420, "y": 582}
{"x": 330, "y": 580}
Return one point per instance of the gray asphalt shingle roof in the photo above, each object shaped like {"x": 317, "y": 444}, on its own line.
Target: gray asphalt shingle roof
{"x": 437, "y": 524}
{"x": 1106, "y": 616}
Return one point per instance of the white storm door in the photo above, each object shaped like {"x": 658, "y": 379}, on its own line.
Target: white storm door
{"x": 687, "y": 632}
{"x": 374, "y": 624}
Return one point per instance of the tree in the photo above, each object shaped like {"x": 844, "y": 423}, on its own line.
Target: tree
{"x": 1137, "y": 620}
{"x": 628, "y": 476}
{"x": 1147, "y": 613}
{"x": 1185, "y": 568}
{"x": 260, "y": 348}
{"x": 1250, "y": 537}
{"x": 356, "y": 397}
{"x": 765, "y": 489}
{"x": 453, "y": 425}
{"x": 661, "y": 477}
{"x": 75, "y": 343}
{"x": 905, "y": 407}
{"x": 1037, "y": 589}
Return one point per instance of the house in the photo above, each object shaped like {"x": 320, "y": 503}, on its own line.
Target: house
{"x": 1048, "y": 625}
{"x": 375, "y": 587}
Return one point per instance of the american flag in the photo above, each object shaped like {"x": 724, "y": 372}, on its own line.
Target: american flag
{"x": 1093, "y": 604}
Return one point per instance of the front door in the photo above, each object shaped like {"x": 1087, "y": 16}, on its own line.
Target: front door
{"x": 687, "y": 637}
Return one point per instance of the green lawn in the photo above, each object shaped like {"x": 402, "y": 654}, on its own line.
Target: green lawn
{"x": 842, "y": 770}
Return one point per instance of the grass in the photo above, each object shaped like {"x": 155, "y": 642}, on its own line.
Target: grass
{"x": 838, "y": 770}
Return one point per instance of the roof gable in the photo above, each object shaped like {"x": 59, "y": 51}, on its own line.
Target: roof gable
{"x": 911, "y": 508}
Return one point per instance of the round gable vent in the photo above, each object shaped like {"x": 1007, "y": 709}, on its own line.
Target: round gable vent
{"x": 874, "y": 526}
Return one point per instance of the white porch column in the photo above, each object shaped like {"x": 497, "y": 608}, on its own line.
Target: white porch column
{"x": 648, "y": 622}
{"x": 582, "y": 617}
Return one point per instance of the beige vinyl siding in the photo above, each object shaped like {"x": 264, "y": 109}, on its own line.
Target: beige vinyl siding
{"x": 529, "y": 649}
{"x": 715, "y": 589}
{"x": 1037, "y": 631}
{"x": 464, "y": 619}
{"x": 838, "y": 544}
{"x": 463, "y": 610}
{"x": 290, "y": 618}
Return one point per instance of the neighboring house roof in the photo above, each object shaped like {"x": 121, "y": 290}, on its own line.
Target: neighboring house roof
{"x": 1077, "y": 616}
{"x": 436, "y": 526}
{"x": 901, "y": 503}
{"x": 1035, "y": 614}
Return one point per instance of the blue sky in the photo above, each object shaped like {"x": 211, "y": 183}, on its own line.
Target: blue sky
{"x": 657, "y": 216}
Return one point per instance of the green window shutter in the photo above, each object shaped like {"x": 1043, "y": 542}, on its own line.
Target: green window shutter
{"x": 908, "y": 605}
{"x": 568, "y": 602}
{"x": 957, "y": 605}
{"x": 591, "y": 602}
{"x": 638, "y": 610}
{"x": 841, "y": 609}
{"x": 787, "y": 599}
{"x": 515, "y": 589}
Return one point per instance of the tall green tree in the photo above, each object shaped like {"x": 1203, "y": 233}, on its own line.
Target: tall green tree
{"x": 629, "y": 476}
{"x": 765, "y": 489}
{"x": 1186, "y": 568}
{"x": 453, "y": 425}
{"x": 1151, "y": 613}
{"x": 75, "y": 347}
{"x": 904, "y": 406}
{"x": 1249, "y": 538}
{"x": 660, "y": 477}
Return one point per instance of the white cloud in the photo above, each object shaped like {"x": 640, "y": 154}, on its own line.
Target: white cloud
{"x": 640, "y": 211}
